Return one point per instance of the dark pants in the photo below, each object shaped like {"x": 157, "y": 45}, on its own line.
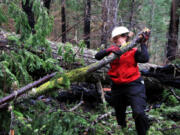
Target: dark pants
{"x": 132, "y": 94}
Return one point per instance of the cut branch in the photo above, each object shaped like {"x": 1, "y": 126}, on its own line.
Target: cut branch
{"x": 25, "y": 89}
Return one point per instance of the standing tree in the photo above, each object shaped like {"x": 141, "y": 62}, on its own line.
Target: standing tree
{"x": 173, "y": 30}
{"x": 63, "y": 16}
{"x": 87, "y": 22}
{"x": 104, "y": 28}
{"x": 109, "y": 18}
{"x": 113, "y": 9}
{"x": 27, "y": 8}
{"x": 131, "y": 14}
{"x": 47, "y": 3}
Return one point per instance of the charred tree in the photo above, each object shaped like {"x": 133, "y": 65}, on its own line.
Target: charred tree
{"x": 47, "y": 4}
{"x": 27, "y": 8}
{"x": 63, "y": 17}
{"x": 173, "y": 31}
{"x": 87, "y": 22}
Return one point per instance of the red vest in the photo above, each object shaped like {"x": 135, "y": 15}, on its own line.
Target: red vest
{"x": 124, "y": 69}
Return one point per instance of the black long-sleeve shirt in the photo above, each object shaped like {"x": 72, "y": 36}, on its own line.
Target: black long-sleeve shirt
{"x": 141, "y": 56}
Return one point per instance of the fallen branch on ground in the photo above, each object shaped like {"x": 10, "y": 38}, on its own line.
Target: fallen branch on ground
{"x": 171, "y": 128}
{"x": 176, "y": 96}
{"x": 75, "y": 107}
{"x": 25, "y": 89}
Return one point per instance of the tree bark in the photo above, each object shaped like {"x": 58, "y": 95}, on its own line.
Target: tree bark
{"x": 47, "y": 4}
{"x": 109, "y": 19}
{"x": 63, "y": 17}
{"x": 112, "y": 18}
{"x": 27, "y": 7}
{"x": 104, "y": 29}
{"x": 87, "y": 22}
{"x": 132, "y": 14}
{"x": 21, "y": 91}
{"x": 173, "y": 31}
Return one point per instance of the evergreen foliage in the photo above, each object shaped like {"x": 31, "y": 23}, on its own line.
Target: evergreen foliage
{"x": 69, "y": 55}
{"x": 23, "y": 65}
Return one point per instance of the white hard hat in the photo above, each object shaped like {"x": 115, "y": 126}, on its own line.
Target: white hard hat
{"x": 119, "y": 31}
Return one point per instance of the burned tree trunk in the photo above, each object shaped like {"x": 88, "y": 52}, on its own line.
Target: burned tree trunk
{"x": 27, "y": 7}
{"x": 87, "y": 22}
{"x": 63, "y": 17}
{"x": 47, "y": 3}
{"x": 173, "y": 31}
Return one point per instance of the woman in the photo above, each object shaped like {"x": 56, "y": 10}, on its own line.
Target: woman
{"x": 127, "y": 84}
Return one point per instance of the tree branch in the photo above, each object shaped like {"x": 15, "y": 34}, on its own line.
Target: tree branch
{"x": 75, "y": 107}
{"x": 25, "y": 89}
{"x": 176, "y": 96}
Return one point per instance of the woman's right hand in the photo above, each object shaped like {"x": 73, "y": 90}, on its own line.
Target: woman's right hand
{"x": 114, "y": 49}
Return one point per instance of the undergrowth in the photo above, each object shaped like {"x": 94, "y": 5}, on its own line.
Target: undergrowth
{"x": 39, "y": 117}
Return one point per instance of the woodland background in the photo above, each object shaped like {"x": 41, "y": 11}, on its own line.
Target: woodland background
{"x": 28, "y": 26}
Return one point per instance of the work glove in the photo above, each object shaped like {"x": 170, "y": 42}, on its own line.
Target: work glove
{"x": 114, "y": 49}
{"x": 143, "y": 38}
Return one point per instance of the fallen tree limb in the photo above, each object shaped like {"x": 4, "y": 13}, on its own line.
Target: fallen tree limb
{"x": 176, "y": 96}
{"x": 25, "y": 89}
{"x": 173, "y": 127}
{"x": 75, "y": 107}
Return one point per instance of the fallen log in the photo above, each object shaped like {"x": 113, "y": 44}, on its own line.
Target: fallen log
{"x": 88, "y": 93}
{"x": 168, "y": 75}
